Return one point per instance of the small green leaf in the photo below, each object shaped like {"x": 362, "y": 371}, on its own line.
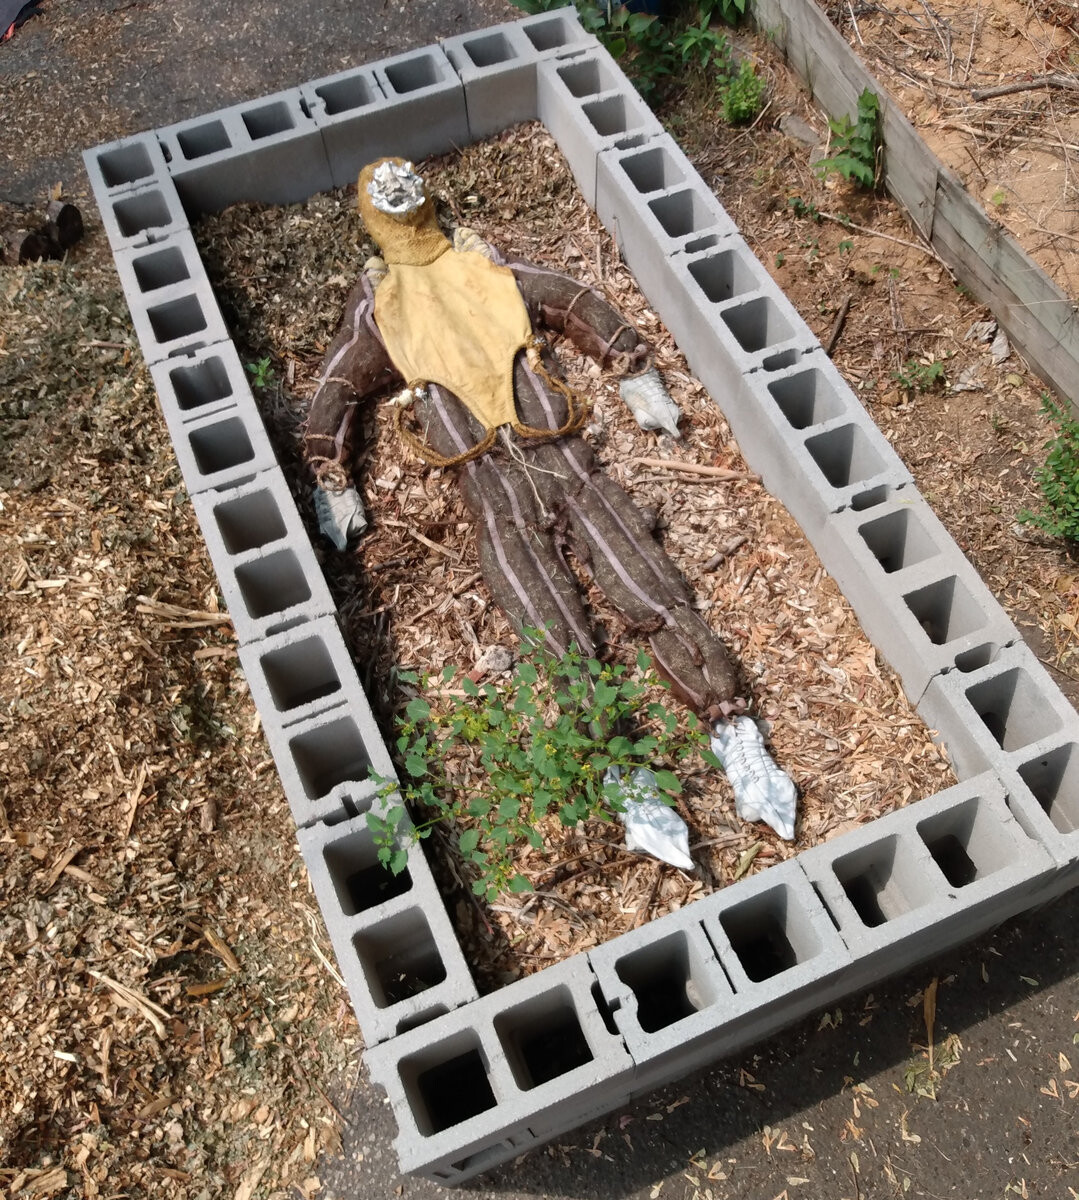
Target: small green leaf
{"x": 519, "y": 884}
{"x": 667, "y": 781}
{"x": 418, "y": 709}
{"x": 468, "y": 841}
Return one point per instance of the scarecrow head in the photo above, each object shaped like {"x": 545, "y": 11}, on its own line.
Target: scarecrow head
{"x": 398, "y": 213}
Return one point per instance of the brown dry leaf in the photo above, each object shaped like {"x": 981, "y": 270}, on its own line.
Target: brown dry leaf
{"x": 929, "y": 1011}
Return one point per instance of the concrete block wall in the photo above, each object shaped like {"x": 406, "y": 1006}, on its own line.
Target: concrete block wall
{"x": 475, "y": 1081}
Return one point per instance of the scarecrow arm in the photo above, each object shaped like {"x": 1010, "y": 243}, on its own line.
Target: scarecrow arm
{"x": 355, "y": 366}
{"x": 562, "y": 304}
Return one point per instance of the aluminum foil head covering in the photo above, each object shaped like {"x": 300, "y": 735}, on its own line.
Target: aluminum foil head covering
{"x": 396, "y": 189}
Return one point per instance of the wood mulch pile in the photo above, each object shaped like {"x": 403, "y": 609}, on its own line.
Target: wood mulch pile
{"x": 170, "y": 1025}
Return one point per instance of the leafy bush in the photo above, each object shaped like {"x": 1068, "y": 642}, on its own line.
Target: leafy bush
{"x": 741, "y": 94}
{"x": 497, "y": 761}
{"x": 918, "y": 376}
{"x": 857, "y": 144}
{"x": 657, "y": 50}
{"x": 1058, "y": 479}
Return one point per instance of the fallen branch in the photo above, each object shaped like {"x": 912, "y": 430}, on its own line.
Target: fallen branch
{"x": 674, "y": 464}
{"x": 1065, "y": 82}
{"x": 847, "y": 224}
{"x": 837, "y": 326}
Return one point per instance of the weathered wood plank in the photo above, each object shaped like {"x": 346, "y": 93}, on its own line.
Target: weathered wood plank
{"x": 1038, "y": 317}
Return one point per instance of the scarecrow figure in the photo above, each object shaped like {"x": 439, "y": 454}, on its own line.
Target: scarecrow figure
{"x": 482, "y": 394}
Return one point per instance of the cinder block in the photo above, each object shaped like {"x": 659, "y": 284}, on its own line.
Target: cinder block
{"x": 142, "y": 215}
{"x": 589, "y": 106}
{"x": 132, "y": 162}
{"x": 202, "y": 383}
{"x": 392, "y": 937}
{"x": 480, "y": 1085}
{"x": 172, "y": 304}
{"x": 355, "y": 119}
{"x": 720, "y": 974}
{"x": 726, "y": 328}
{"x": 497, "y": 67}
{"x": 991, "y": 711}
{"x": 268, "y": 150}
{"x": 815, "y": 469}
{"x": 425, "y": 111}
{"x": 556, "y": 34}
{"x": 655, "y": 204}
{"x": 928, "y": 877}
{"x": 917, "y": 597}
{"x": 267, "y": 569}
{"x": 222, "y": 449}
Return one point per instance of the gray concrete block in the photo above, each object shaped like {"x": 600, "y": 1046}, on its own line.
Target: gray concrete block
{"x": 391, "y": 935}
{"x": 142, "y": 215}
{"x": 655, "y": 204}
{"x": 173, "y": 307}
{"x": 131, "y": 162}
{"x": 729, "y": 318}
{"x": 533, "y": 1059}
{"x": 917, "y": 597}
{"x": 990, "y": 713}
{"x": 708, "y": 980}
{"x": 815, "y": 469}
{"x": 202, "y": 383}
{"x": 425, "y": 112}
{"x": 498, "y": 69}
{"x": 222, "y": 449}
{"x": 355, "y": 119}
{"x": 556, "y": 34}
{"x": 267, "y": 569}
{"x": 589, "y": 106}
{"x": 928, "y": 877}
{"x": 268, "y": 150}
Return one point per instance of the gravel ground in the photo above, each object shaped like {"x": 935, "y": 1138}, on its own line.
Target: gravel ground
{"x": 834, "y": 1108}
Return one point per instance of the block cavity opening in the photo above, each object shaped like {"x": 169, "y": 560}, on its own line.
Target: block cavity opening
{"x": 300, "y": 673}
{"x": 220, "y": 446}
{"x": 757, "y": 324}
{"x": 343, "y": 95}
{"x": 412, "y": 74}
{"x": 490, "y": 50}
{"x": 201, "y": 140}
{"x": 268, "y": 120}
{"x": 1013, "y": 709}
{"x": 966, "y": 842}
{"x": 611, "y": 115}
{"x": 652, "y": 170}
{"x": 543, "y": 1038}
{"x": 447, "y": 1084}
{"x": 359, "y": 880}
{"x": 898, "y": 540}
{"x": 400, "y": 958}
{"x": 845, "y": 456}
{"x": 551, "y": 33}
{"x": 770, "y": 934}
{"x": 273, "y": 583}
{"x": 182, "y": 317}
{"x": 807, "y": 398}
{"x": 882, "y": 881}
{"x": 586, "y": 77}
{"x": 160, "y": 268}
{"x": 669, "y": 981}
{"x": 125, "y": 164}
{"x": 1053, "y": 779}
{"x": 137, "y": 214}
{"x": 250, "y": 521}
{"x": 945, "y": 610}
{"x": 204, "y": 383}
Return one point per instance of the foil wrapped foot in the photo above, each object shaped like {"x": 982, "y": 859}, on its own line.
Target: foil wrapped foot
{"x": 340, "y": 515}
{"x": 652, "y": 827}
{"x": 762, "y": 791}
{"x": 646, "y": 397}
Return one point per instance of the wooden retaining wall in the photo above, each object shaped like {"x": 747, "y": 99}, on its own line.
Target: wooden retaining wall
{"x": 1039, "y": 318}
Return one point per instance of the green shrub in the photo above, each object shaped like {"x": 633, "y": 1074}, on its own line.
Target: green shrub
{"x": 741, "y": 94}
{"x": 1058, "y": 479}
{"x": 856, "y": 144}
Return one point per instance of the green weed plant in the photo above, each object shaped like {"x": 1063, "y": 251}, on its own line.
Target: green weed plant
{"x": 493, "y": 764}
{"x": 1058, "y": 480}
{"x": 856, "y": 144}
